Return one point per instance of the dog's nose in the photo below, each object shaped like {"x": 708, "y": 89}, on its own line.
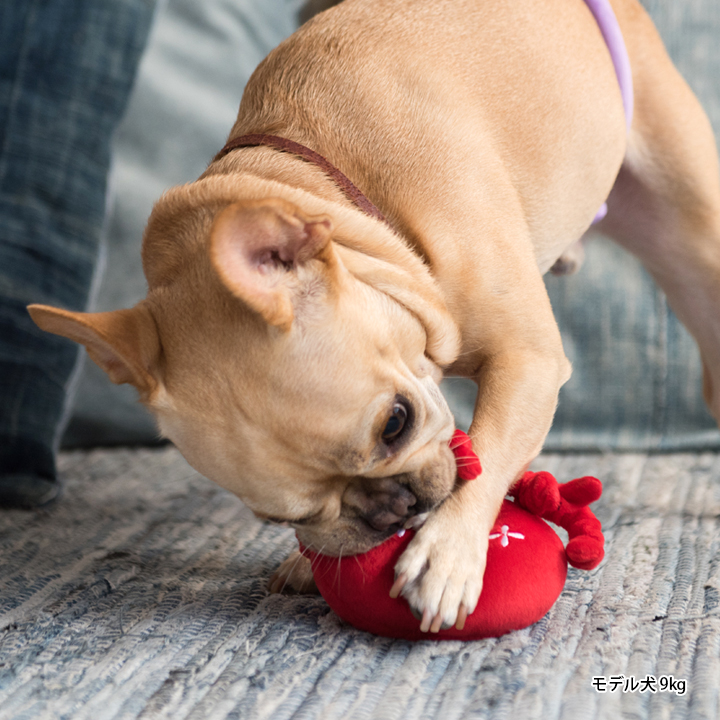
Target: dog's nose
{"x": 381, "y": 503}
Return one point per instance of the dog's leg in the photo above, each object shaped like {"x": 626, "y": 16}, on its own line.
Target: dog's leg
{"x": 665, "y": 206}
{"x": 293, "y": 576}
{"x": 441, "y": 571}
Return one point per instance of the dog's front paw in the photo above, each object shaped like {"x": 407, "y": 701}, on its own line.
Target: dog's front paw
{"x": 440, "y": 573}
{"x": 294, "y": 576}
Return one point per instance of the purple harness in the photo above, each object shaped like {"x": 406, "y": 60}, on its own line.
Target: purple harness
{"x": 608, "y": 24}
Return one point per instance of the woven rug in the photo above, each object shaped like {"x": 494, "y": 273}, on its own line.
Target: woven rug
{"x": 142, "y": 595}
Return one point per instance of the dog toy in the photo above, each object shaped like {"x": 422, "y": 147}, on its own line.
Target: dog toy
{"x": 526, "y": 561}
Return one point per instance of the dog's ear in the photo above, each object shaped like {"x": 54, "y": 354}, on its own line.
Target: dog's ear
{"x": 124, "y": 343}
{"x": 259, "y": 247}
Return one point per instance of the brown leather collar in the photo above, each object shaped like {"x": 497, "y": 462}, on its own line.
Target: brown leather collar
{"x": 353, "y": 194}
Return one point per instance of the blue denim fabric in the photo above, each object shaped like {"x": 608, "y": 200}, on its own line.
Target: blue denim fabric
{"x": 66, "y": 69}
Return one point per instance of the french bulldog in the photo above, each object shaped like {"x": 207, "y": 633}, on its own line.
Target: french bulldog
{"x": 291, "y": 344}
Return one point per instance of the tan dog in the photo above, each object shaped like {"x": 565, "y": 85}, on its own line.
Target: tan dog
{"x": 291, "y": 346}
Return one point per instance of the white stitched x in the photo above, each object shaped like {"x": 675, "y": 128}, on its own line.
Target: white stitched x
{"x": 505, "y": 535}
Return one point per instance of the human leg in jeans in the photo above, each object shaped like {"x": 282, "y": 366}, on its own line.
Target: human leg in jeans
{"x": 66, "y": 68}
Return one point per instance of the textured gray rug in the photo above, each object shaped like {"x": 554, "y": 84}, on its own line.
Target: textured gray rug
{"x": 142, "y": 595}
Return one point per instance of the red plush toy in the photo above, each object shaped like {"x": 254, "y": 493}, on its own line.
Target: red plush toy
{"x": 526, "y": 561}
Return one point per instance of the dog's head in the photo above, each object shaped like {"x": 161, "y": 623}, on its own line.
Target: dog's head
{"x": 286, "y": 364}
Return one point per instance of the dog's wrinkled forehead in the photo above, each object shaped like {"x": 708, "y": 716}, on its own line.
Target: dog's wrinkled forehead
{"x": 329, "y": 366}
{"x": 206, "y": 220}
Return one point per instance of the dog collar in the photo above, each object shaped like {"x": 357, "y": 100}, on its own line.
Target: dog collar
{"x": 349, "y": 189}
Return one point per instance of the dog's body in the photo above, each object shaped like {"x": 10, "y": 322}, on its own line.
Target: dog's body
{"x": 287, "y": 336}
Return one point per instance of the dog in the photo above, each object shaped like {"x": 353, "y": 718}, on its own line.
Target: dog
{"x": 291, "y": 343}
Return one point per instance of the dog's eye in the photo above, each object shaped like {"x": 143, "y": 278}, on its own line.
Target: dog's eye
{"x": 395, "y": 424}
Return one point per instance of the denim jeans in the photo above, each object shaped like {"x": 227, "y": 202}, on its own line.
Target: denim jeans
{"x": 66, "y": 69}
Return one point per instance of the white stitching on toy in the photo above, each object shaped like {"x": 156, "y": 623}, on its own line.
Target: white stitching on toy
{"x": 505, "y": 536}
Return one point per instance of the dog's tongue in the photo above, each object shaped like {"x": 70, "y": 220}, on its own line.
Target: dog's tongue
{"x": 468, "y": 464}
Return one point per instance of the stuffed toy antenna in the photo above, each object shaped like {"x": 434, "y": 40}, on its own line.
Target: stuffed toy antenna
{"x": 526, "y": 561}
